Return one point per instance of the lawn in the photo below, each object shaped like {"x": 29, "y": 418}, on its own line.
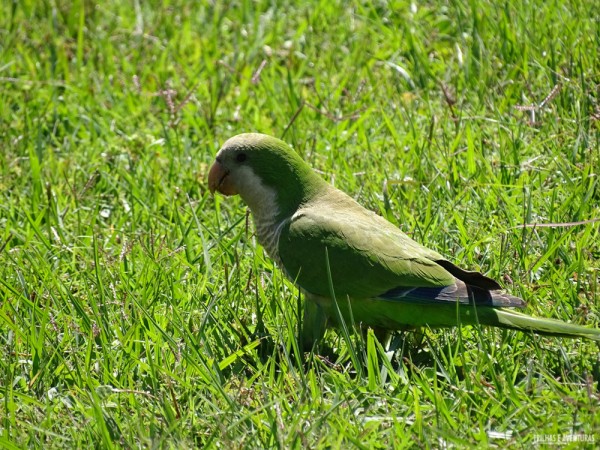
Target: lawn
{"x": 138, "y": 311}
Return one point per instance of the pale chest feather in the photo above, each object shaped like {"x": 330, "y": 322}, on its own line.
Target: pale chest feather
{"x": 267, "y": 233}
{"x": 262, "y": 201}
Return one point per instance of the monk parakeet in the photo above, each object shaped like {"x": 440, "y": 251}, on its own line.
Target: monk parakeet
{"x": 351, "y": 263}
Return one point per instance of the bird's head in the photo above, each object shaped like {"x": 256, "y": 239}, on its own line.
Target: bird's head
{"x": 261, "y": 169}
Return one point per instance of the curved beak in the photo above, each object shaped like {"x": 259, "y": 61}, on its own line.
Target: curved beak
{"x": 219, "y": 180}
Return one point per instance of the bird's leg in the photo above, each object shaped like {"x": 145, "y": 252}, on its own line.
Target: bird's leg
{"x": 314, "y": 323}
{"x": 383, "y": 336}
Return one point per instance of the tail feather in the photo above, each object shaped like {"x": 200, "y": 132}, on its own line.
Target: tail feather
{"x": 471, "y": 278}
{"x": 517, "y": 321}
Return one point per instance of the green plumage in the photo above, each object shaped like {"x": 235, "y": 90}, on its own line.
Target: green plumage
{"x": 394, "y": 315}
{"x": 367, "y": 255}
{"x": 328, "y": 244}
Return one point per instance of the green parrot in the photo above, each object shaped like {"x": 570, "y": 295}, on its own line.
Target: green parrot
{"x": 351, "y": 263}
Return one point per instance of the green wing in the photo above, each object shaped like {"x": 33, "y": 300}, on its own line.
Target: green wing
{"x": 367, "y": 255}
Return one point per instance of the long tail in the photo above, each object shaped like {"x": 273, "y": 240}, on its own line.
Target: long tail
{"x": 552, "y": 327}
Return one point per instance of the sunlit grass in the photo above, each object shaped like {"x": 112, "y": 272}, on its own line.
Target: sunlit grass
{"x": 138, "y": 311}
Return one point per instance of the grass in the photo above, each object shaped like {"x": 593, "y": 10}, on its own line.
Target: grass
{"x": 138, "y": 311}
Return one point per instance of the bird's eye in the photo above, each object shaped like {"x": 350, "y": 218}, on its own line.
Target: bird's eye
{"x": 241, "y": 157}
